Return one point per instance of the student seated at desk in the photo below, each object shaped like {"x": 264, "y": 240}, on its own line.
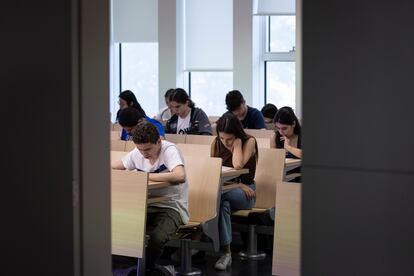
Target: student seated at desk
{"x": 128, "y": 118}
{"x": 287, "y": 135}
{"x": 128, "y": 99}
{"x": 249, "y": 117}
{"x": 165, "y": 113}
{"x": 187, "y": 118}
{"x": 164, "y": 162}
{"x": 238, "y": 150}
{"x": 268, "y": 111}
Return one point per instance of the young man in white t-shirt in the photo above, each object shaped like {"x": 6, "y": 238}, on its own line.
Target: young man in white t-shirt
{"x": 164, "y": 162}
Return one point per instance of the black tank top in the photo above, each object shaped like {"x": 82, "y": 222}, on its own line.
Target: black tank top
{"x": 227, "y": 156}
{"x": 281, "y": 144}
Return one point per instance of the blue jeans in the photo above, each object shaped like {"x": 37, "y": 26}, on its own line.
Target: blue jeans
{"x": 233, "y": 200}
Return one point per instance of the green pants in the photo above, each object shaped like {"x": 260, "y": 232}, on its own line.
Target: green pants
{"x": 162, "y": 223}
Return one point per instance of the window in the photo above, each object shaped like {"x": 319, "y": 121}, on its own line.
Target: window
{"x": 280, "y": 83}
{"x": 139, "y": 73}
{"x": 281, "y": 33}
{"x": 208, "y": 90}
{"x": 278, "y": 60}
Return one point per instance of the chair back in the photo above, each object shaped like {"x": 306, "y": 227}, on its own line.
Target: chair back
{"x": 194, "y": 150}
{"x": 269, "y": 171}
{"x": 128, "y": 212}
{"x": 203, "y": 176}
{"x": 259, "y": 133}
{"x": 199, "y": 139}
{"x": 175, "y": 138}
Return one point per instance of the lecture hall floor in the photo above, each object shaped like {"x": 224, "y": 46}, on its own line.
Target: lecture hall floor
{"x": 239, "y": 267}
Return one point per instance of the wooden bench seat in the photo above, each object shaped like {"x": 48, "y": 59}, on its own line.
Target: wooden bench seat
{"x": 190, "y": 224}
{"x": 245, "y": 213}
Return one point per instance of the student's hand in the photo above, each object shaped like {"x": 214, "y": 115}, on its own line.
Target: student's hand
{"x": 286, "y": 145}
{"x": 250, "y": 194}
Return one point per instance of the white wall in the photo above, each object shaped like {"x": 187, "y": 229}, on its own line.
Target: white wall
{"x": 242, "y": 48}
{"x": 167, "y": 47}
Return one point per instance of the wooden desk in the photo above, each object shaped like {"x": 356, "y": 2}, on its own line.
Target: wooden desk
{"x": 157, "y": 185}
{"x": 228, "y": 173}
{"x": 286, "y": 245}
{"x": 292, "y": 163}
{"x": 117, "y": 155}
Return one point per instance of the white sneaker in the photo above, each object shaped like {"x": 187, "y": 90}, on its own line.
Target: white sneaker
{"x": 166, "y": 269}
{"x": 224, "y": 262}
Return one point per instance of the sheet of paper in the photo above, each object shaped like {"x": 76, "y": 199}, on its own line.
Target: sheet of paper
{"x": 224, "y": 168}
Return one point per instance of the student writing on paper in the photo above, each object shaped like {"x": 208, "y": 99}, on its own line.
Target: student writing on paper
{"x": 164, "y": 162}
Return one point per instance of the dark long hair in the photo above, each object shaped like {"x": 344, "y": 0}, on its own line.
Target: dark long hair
{"x": 230, "y": 124}
{"x": 179, "y": 95}
{"x": 129, "y": 97}
{"x": 286, "y": 116}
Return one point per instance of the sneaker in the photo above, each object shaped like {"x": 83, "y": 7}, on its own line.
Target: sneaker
{"x": 167, "y": 270}
{"x": 224, "y": 262}
{"x": 176, "y": 256}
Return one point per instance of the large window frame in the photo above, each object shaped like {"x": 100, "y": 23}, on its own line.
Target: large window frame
{"x": 116, "y": 55}
{"x": 266, "y": 56}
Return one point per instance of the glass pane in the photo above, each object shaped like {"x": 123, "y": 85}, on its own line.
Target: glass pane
{"x": 139, "y": 73}
{"x": 280, "y": 83}
{"x": 209, "y": 89}
{"x": 282, "y": 33}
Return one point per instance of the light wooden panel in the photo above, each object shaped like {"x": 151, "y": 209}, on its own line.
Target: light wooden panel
{"x": 286, "y": 245}
{"x": 117, "y": 155}
{"x": 115, "y": 135}
{"x": 214, "y": 129}
{"x": 129, "y": 145}
{"x": 117, "y": 145}
{"x": 175, "y": 138}
{"x": 269, "y": 170}
{"x": 128, "y": 212}
{"x": 259, "y": 133}
{"x": 263, "y": 143}
{"x": 203, "y": 176}
{"x": 213, "y": 119}
{"x": 194, "y": 150}
{"x": 116, "y": 127}
{"x": 199, "y": 139}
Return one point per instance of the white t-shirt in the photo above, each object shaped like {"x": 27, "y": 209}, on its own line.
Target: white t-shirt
{"x": 168, "y": 159}
{"x": 183, "y": 123}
